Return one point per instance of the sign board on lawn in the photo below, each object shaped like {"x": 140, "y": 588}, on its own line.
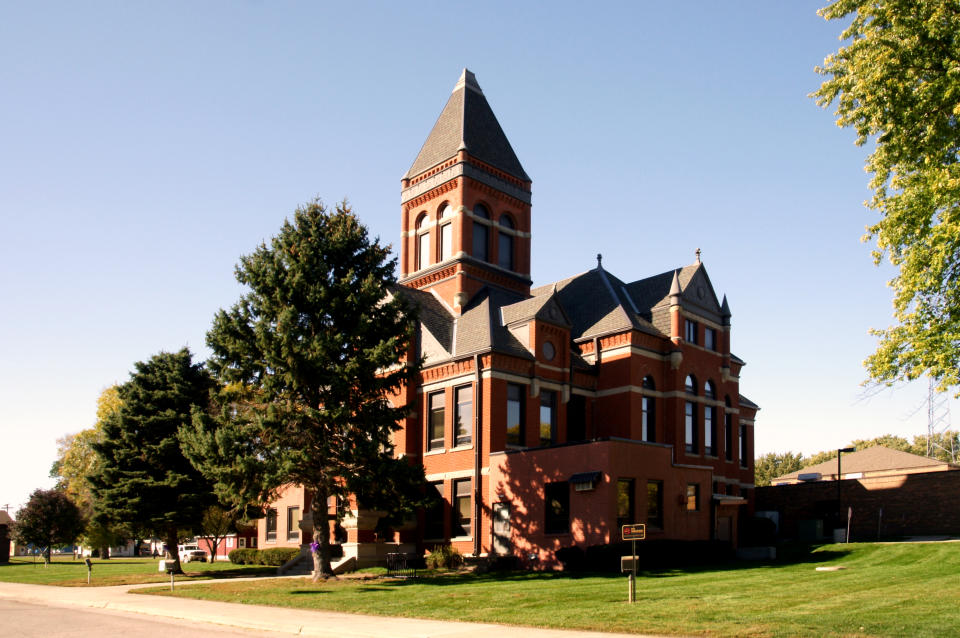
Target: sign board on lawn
{"x": 634, "y": 532}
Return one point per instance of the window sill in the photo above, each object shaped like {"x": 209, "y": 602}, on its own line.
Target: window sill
{"x": 432, "y": 452}
{"x": 460, "y": 448}
{"x": 711, "y": 456}
{"x": 460, "y": 539}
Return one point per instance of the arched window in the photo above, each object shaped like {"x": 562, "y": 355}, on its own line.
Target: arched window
{"x": 648, "y": 412}
{"x": 505, "y": 243}
{"x": 423, "y": 241}
{"x": 481, "y": 234}
{"x": 709, "y": 390}
{"x": 446, "y": 232}
{"x": 691, "y": 384}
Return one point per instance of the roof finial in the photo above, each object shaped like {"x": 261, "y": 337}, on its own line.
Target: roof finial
{"x": 698, "y": 255}
{"x": 599, "y": 260}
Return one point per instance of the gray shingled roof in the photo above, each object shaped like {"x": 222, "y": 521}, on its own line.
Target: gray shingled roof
{"x": 467, "y": 121}
{"x": 872, "y": 459}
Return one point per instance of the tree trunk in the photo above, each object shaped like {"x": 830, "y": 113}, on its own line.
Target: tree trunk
{"x": 46, "y": 556}
{"x": 172, "y": 553}
{"x": 105, "y": 552}
{"x": 321, "y": 534}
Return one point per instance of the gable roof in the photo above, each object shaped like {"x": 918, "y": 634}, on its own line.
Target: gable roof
{"x": 467, "y": 122}
{"x": 872, "y": 459}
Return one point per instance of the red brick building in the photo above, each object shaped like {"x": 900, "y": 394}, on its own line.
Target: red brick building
{"x": 548, "y": 416}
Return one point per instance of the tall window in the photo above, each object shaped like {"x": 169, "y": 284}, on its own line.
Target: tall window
{"x": 423, "y": 241}
{"x": 446, "y": 232}
{"x": 709, "y": 431}
{"x": 709, "y": 338}
{"x": 433, "y": 514}
{"x": 505, "y": 243}
{"x": 655, "y": 504}
{"x": 625, "y": 500}
{"x": 693, "y": 497}
{"x": 557, "y": 519}
{"x": 516, "y": 434}
{"x": 690, "y": 426}
{"x": 293, "y": 523}
{"x": 727, "y": 430}
{"x": 271, "y": 524}
{"x": 461, "y": 508}
{"x": 481, "y": 234}
{"x": 691, "y": 331}
{"x": 648, "y": 413}
{"x": 548, "y": 417}
{"x": 576, "y": 418}
{"x": 463, "y": 414}
{"x": 438, "y": 403}
{"x": 743, "y": 445}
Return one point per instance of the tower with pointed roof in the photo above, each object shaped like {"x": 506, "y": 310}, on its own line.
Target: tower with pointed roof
{"x": 465, "y": 205}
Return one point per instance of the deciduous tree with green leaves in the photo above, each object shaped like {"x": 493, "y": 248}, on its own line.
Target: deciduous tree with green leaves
{"x": 145, "y": 480}
{"x": 49, "y": 519}
{"x": 896, "y": 82}
{"x": 311, "y": 356}
{"x": 774, "y": 464}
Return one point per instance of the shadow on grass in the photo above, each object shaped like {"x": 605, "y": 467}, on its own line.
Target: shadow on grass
{"x": 232, "y": 573}
{"x": 307, "y": 592}
{"x": 791, "y": 554}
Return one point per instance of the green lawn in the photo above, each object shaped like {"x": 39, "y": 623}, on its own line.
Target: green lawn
{"x": 64, "y": 570}
{"x": 906, "y": 589}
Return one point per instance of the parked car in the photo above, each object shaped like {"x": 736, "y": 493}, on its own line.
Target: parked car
{"x": 189, "y": 553}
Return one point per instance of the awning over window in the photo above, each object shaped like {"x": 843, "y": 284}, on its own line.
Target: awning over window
{"x": 583, "y": 481}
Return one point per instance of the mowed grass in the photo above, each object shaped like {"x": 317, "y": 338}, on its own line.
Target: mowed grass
{"x": 907, "y": 589}
{"x": 65, "y": 571}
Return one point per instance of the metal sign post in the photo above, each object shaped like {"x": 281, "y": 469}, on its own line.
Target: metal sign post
{"x": 89, "y": 568}
{"x": 633, "y": 533}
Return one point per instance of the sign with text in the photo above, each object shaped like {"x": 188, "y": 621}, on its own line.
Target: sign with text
{"x": 635, "y": 532}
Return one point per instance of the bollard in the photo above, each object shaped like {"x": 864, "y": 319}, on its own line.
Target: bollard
{"x": 632, "y": 584}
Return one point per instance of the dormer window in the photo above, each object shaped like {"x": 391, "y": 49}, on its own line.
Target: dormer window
{"x": 423, "y": 241}
{"x": 505, "y": 243}
{"x": 446, "y": 232}
{"x": 481, "y": 233}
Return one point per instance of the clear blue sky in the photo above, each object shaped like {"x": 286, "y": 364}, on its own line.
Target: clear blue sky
{"x": 145, "y": 146}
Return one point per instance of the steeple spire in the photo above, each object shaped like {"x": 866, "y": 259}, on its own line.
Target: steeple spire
{"x": 465, "y": 205}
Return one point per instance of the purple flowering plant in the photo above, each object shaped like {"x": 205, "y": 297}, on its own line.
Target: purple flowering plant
{"x": 314, "y": 547}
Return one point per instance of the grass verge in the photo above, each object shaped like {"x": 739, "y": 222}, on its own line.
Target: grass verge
{"x": 884, "y": 590}
{"x": 65, "y": 571}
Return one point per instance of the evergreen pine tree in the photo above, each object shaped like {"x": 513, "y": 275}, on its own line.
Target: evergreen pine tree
{"x": 145, "y": 480}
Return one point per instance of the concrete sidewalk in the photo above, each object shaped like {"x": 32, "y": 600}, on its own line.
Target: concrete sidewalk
{"x": 298, "y": 622}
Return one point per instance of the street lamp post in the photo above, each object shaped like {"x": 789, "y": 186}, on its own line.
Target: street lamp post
{"x": 840, "y": 453}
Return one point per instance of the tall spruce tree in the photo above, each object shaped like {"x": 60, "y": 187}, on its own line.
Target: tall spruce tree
{"x": 311, "y": 356}
{"x": 145, "y": 480}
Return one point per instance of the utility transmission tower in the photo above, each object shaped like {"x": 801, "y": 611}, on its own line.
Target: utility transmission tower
{"x": 938, "y": 422}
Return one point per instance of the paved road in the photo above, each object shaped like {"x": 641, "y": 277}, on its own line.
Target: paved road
{"x": 29, "y": 620}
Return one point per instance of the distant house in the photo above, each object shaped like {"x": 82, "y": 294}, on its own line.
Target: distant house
{"x": 247, "y": 537}
{"x": 886, "y": 493}
{"x": 6, "y": 545}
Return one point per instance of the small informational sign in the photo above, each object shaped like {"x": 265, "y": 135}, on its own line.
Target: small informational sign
{"x": 628, "y": 564}
{"x": 634, "y": 532}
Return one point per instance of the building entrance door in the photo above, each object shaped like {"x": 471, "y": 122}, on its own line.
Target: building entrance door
{"x": 501, "y": 528}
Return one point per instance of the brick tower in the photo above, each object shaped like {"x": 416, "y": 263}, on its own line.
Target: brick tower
{"x": 465, "y": 205}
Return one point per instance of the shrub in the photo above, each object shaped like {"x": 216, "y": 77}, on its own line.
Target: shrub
{"x": 276, "y": 556}
{"x": 243, "y": 556}
{"x": 444, "y": 557}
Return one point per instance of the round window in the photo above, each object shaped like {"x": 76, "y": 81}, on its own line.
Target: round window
{"x": 548, "y": 351}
